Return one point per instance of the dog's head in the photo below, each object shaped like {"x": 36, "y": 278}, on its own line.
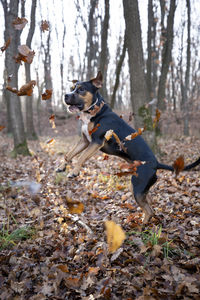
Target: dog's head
{"x": 84, "y": 94}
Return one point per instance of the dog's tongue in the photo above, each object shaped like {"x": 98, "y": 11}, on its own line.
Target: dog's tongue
{"x": 73, "y": 108}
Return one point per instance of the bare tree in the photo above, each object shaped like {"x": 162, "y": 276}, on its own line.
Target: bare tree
{"x": 185, "y": 85}
{"x": 136, "y": 60}
{"x": 167, "y": 40}
{"x": 103, "y": 65}
{"x": 30, "y": 130}
{"x": 47, "y": 69}
{"x": 91, "y": 49}
{"x": 152, "y": 51}
{"x": 117, "y": 72}
{"x": 13, "y": 102}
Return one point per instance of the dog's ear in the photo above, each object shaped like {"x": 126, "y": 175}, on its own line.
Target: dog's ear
{"x": 98, "y": 80}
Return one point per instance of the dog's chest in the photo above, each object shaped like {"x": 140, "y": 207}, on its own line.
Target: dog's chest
{"x": 87, "y": 127}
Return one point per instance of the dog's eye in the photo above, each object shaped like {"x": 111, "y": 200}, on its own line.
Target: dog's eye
{"x": 81, "y": 89}
{"x": 72, "y": 88}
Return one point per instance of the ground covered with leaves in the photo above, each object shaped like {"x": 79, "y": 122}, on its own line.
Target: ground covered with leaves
{"x": 53, "y": 238}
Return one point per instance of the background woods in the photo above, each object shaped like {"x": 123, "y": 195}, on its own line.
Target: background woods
{"x": 148, "y": 55}
{"x": 83, "y": 237}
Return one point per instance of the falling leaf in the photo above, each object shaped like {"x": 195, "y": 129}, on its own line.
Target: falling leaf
{"x": 93, "y": 270}
{"x": 135, "y": 164}
{"x": 135, "y": 134}
{"x": 178, "y": 165}
{"x": 94, "y": 129}
{"x": 50, "y": 141}
{"x": 25, "y": 54}
{"x": 127, "y": 173}
{"x": 115, "y": 235}
{"x": 27, "y": 89}
{"x": 44, "y": 26}
{"x": 2, "y": 127}
{"x": 63, "y": 268}
{"x": 52, "y": 121}
{"x": 75, "y": 207}
{"x": 132, "y": 168}
{"x": 157, "y": 118}
{"x": 11, "y": 89}
{"x": 5, "y": 46}
{"x": 47, "y": 95}
{"x": 105, "y": 157}
{"x": 19, "y": 23}
{"x": 108, "y": 135}
{"x": 72, "y": 283}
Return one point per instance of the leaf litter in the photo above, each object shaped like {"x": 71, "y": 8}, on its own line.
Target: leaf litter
{"x": 67, "y": 255}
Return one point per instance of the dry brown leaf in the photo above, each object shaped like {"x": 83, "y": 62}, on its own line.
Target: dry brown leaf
{"x": 115, "y": 235}
{"x": 94, "y": 129}
{"x": 178, "y": 165}
{"x": 25, "y": 54}
{"x": 75, "y": 207}
{"x": 5, "y": 46}
{"x": 44, "y": 26}
{"x": 72, "y": 283}
{"x": 2, "y": 127}
{"x": 19, "y": 23}
{"x": 11, "y": 89}
{"x": 108, "y": 135}
{"x": 27, "y": 89}
{"x": 135, "y": 134}
{"x": 50, "y": 141}
{"x": 157, "y": 118}
{"x": 63, "y": 268}
{"x": 52, "y": 121}
{"x": 47, "y": 94}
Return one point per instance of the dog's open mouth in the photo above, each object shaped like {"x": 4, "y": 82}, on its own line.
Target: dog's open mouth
{"x": 73, "y": 108}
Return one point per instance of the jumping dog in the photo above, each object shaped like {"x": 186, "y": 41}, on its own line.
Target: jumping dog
{"x": 85, "y": 98}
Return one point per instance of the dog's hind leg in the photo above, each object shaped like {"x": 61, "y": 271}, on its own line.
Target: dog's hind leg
{"x": 140, "y": 187}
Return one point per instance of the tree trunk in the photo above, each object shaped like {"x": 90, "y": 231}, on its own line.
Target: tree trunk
{"x": 47, "y": 71}
{"x": 104, "y": 48}
{"x": 149, "y": 49}
{"x": 187, "y": 72}
{"x": 136, "y": 61}
{"x": 30, "y": 130}
{"x": 167, "y": 40}
{"x": 117, "y": 72}
{"x": 13, "y": 101}
{"x": 90, "y": 47}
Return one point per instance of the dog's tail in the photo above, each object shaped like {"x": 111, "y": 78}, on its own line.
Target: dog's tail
{"x": 186, "y": 168}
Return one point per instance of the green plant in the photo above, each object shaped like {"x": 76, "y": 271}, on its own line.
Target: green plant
{"x": 154, "y": 237}
{"x": 151, "y": 236}
{"x": 9, "y": 239}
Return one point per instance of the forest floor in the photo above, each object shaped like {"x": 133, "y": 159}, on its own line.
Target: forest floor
{"x": 53, "y": 242}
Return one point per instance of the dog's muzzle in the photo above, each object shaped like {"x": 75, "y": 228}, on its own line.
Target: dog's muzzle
{"x": 74, "y": 105}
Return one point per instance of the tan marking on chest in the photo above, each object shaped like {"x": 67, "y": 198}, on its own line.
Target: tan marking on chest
{"x": 87, "y": 127}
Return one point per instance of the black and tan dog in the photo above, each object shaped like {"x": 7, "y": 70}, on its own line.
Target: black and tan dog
{"x": 86, "y": 98}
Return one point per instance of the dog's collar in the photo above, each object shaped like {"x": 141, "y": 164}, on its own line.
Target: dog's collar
{"x": 92, "y": 106}
{"x": 98, "y": 103}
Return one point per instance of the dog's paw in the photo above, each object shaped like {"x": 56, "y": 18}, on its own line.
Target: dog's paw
{"x": 61, "y": 168}
{"x": 73, "y": 173}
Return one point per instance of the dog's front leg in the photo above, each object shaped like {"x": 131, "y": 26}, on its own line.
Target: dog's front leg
{"x": 89, "y": 152}
{"x": 79, "y": 147}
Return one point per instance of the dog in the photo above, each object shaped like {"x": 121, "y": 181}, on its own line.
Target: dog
{"x": 98, "y": 119}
